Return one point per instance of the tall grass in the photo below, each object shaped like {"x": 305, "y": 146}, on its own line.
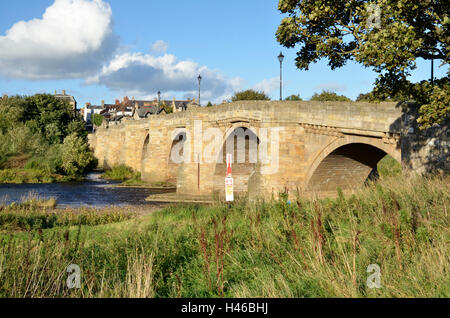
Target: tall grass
{"x": 119, "y": 173}
{"x": 307, "y": 248}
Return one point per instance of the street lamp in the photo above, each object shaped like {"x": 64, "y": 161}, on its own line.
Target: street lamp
{"x": 281, "y": 58}
{"x": 199, "y": 80}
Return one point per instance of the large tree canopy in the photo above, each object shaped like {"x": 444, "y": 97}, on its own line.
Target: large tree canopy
{"x": 386, "y": 35}
{"x": 249, "y": 94}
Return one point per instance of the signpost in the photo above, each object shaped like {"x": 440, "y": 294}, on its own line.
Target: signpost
{"x": 229, "y": 191}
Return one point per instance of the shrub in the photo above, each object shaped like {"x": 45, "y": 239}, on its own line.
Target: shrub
{"x": 250, "y": 94}
{"x": 330, "y": 96}
{"x": 119, "y": 173}
{"x": 77, "y": 158}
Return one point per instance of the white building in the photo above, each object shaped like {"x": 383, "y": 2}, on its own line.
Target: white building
{"x": 89, "y": 110}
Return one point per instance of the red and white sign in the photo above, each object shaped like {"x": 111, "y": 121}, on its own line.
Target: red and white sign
{"x": 229, "y": 191}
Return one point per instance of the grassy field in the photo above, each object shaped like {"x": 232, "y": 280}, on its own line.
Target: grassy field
{"x": 307, "y": 248}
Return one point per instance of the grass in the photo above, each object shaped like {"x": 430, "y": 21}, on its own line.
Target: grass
{"x": 130, "y": 178}
{"x": 23, "y": 175}
{"x": 389, "y": 167}
{"x": 120, "y": 173}
{"x": 308, "y": 248}
{"x": 17, "y": 170}
{"x": 34, "y": 213}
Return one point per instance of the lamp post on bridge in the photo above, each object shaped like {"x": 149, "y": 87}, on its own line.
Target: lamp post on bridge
{"x": 281, "y": 58}
{"x": 199, "y": 80}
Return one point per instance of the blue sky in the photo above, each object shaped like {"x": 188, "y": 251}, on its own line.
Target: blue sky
{"x": 102, "y": 50}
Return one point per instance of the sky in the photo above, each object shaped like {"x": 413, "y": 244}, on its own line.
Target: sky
{"x": 107, "y": 49}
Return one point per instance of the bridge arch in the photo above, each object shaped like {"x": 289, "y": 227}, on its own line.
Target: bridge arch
{"x": 145, "y": 152}
{"x": 347, "y": 163}
{"x": 245, "y": 157}
{"x": 176, "y": 153}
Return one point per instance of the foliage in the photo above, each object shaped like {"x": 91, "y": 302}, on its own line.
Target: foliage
{"x": 294, "y": 97}
{"x": 249, "y": 94}
{"x": 30, "y": 175}
{"x": 36, "y": 126}
{"x": 209, "y": 104}
{"x": 167, "y": 108}
{"x": 271, "y": 248}
{"x": 32, "y": 213}
{"x": 119, "y": 173}
{"x": 388, "y": 38}
{"x": 76, "y": 156}
{"x": 78, "y": 127}
{"x": 19, "y": 139}
{"x": 97, "y": 120}
{"x": 389, "y": 167}
{"x": 330, "y": 96}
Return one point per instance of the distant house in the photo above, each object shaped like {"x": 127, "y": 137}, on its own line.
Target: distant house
{"x": 69, "y": 98}
{"x": 135, "y": 109}
{"x": 89, "y": 110}
{"x": 140, "y": 112}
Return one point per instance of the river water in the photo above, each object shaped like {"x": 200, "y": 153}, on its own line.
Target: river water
{"x": 94, "y": 192}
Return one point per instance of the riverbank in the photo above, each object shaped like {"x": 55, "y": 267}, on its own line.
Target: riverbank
{"x": 307, "y": 248}
{"x": 23, "y": 175}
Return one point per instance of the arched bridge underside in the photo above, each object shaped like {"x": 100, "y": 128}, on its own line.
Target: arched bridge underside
{"x": 276, "y": 146}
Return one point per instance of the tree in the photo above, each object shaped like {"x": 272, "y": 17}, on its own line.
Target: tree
{"x": 294, "y": 97}
{"x": 76, "y": 156}
{"x": 78, "y": 127}
{"x": 167, "y": 108}
{"x": 330, "y": 96}
{"x": 249, "y": 94}
{"x": 386, "y": 35}
{"x": 97, "y": 119}
{"x": 51, "y": 114}
{"x": 209, "y": 104}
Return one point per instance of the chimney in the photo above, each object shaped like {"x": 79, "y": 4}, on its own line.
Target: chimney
{"x": 103, "y": 103}
{"x": 64, "y": 92}
{"x": 117, "y": 102}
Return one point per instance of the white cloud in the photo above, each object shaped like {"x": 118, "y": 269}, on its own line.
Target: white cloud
{"x": 268, "y": 85}
{"x": 159, "y": 47}
{"x": 72, "y": 40}
{"x": 331, "y": 86}
{"x": 144, "y": 74}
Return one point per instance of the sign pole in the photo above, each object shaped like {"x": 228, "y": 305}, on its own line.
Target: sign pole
{"x": 229, "y": 189}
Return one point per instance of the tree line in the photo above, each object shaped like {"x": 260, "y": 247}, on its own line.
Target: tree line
{"x": 47, "y": 132}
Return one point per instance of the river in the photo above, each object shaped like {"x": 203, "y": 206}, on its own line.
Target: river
{"x": 93, "y": 192}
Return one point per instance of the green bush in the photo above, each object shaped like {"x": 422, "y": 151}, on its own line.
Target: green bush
{"x": 47, "y": 130}
{"x": 250, "y": 94}
{"x": 388, "y": 166}
{"x": 119, "y": 173}
{"x": 330, "y": 96}
{"x": 76, "y": 156}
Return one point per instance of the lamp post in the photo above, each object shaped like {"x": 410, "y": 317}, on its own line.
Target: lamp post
{"x": 281, "y": 58}
{"x": 159, "y": 98}
{"x": 199, "y": 80}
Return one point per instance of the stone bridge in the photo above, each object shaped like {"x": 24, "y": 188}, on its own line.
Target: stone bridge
{"x": 308, "y": 146}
